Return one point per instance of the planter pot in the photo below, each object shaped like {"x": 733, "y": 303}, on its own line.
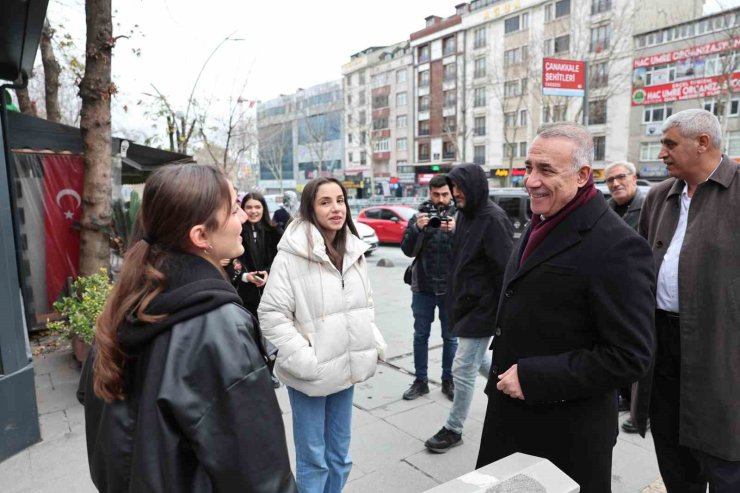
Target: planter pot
{"x": 80, "y": 349}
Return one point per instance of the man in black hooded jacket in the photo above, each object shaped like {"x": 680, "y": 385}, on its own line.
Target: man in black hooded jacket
{"x": 481, "y": 247}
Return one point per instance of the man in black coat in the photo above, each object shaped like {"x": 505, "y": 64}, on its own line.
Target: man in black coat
{"x": 574, "y": 322}
{"x": 480, "y": 248}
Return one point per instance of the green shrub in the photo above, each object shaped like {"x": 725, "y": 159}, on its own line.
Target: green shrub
{"x": 80, "y": 311}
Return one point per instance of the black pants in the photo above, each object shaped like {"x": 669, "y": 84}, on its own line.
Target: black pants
{"x": 684, "y": 470}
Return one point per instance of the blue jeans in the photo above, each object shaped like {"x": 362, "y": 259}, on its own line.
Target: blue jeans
{"x": 472, "y": 357}
{"x": 422, "y": 306}
{"x": 321, "y": 432}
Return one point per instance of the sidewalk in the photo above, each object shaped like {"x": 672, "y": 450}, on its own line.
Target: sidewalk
{"x": 388, "y": 432}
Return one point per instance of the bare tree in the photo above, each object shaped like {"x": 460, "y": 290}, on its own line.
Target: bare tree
{"x": 25, "y": 104}
{"x": 96, "y": 90}
{"x": 51, "y": 73}
{"x": 274, "y": 140}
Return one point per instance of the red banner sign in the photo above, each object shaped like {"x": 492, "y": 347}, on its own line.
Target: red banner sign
{"x": 691, "y": 52}
{"x": 687, "y": 89}
{"x": 563, "y": 77}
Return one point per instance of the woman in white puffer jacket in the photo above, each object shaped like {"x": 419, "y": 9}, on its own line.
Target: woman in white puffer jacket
{"x": 317, "y": 309}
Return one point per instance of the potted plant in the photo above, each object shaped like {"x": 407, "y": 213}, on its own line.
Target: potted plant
{"x": 80, "y": 311}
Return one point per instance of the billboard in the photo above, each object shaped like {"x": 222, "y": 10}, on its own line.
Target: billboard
{"x": 687, "y": 89}
{"x": 563, "y": 77}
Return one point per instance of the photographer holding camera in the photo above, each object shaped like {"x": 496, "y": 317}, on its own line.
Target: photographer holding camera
{"x": 428, "y": 238}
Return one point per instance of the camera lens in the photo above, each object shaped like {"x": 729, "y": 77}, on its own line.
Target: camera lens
{"x": 435, "y": 222}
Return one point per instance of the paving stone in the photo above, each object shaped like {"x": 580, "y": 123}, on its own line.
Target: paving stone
{"x": 362, "y": 418}
{"x": 54, "y": 425}
{"x": 15, "y": 473}
{"x": 445, "y": 467}
{"x": 421, "y": 422}
{"x": 400, "y": 477}
{"x": 379, "y": 444}
{"x": 388, "y": 385}
{"x": 633, "y": 467}
{"x": 399, "y": 406}
{"x": 48, "y": 362}
{"x": 61, "y": 397}
{"x": 55, "y": 458}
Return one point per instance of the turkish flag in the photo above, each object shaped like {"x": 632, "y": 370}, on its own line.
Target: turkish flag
{"x": 64, "y": 178}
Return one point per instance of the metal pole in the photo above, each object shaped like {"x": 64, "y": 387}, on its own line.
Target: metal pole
{"x": 585, "y": 94}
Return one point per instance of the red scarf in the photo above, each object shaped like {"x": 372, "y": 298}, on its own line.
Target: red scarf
{"x": 542, "y": 227}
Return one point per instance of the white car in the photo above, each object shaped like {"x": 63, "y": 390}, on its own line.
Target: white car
{"x": 367, "y": 234}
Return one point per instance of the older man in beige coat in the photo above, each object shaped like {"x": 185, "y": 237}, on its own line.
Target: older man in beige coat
{"x": 692, "y": 223}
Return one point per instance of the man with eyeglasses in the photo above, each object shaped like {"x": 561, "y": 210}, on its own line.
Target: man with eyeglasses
{"x": 627, "y": 199}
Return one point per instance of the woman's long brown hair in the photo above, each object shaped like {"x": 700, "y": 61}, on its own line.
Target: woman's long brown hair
{"x": 176, "y": 198}
{"x": 335, "y": 249}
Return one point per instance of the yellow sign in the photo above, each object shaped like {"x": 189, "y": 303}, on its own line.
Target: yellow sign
{"x": 500, "y": 10}
{"x": 598, "y": 174}
{"x": 353, "y": 184}
{"x": 502, "y": 172}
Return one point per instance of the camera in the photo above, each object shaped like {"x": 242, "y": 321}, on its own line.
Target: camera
{"x": 436, "y": 214}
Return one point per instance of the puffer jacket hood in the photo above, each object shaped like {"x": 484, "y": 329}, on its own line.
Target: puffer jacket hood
{"x": 472, "y": 180}
{"x": 296, "y": 241}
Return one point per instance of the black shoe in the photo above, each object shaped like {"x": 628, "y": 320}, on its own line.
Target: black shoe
{"x": 443, "y": 441}
{"x": 624, "y": 404}
{"x": 448, "y": 389}
{"x": 629, "y": 427}
{"x": 417, "y": 389}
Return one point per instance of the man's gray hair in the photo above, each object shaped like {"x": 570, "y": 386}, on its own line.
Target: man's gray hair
{"x": 624, "y": 164}
{"x": 691, "y": 123}
{"x": 578, "y": 134}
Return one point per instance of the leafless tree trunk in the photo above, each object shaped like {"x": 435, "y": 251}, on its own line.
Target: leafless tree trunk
{"x": 51, "y": 74}
{"x": 25, "y": 104}
{"x": 96, "y": 89}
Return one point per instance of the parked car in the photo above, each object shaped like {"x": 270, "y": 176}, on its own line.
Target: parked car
{"x": 388, "y": 221}
{"x": 516, "y": 203}
{"x": 367, "y": 234}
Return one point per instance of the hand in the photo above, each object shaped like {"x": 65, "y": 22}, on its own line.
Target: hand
{"x": 422, "y": 219}
{"x": 254, "y": 278}
{"x": 237, "y": 265}
{"x": 448, "y": 226}
{"x": 225, "y": 262}
{"x": 509, "y": 383}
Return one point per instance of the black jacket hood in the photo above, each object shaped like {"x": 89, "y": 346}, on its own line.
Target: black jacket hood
{"x": 472, "y": 180}
{"x": 193, "y": 286}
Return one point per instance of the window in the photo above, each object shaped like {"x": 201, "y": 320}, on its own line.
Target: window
{"x": 373, "y": 213}
{"x": 512, "y": 88}
{"x": 401, "y": 121}
{"x": 380, "y": 123}
{"x": 362, "y": 78}
{"x": 599, "y": 148}
{"x": 450, "y": 72}
{"x": 449, "y": 124}
{"x": 522, "y": 149}
{"x": 424, "y": 127}
{"x": 599, "y": 39}
{"x": 511, "y": 24}
{"x": 363, "y": 117}
{"x": 554, "y": 113}
{"x": 597, "y": 111}
{"x": 649, "y": 151}
{"x": 450, "y": 99}
{"x": 733, "y": 143}
{"x": 718, "y": 108}
{"x": 548, "y": 12}
{"x": 656, "y": 113}
{"x": 349, "y": 157}
{"x": 598, "y": 75}
{"x": 363, "y": 137}
{"x": 600, "y": 6}
{"x": 401, "y": 99}
{"x": 479, "y": 38}
{"x": 379, "y": 80}
{"x": 523, "y": 117}
{"x": 423, "y": 152}
{"x": 363, "y": 158}
{"x": 382, "y": 145}
{"x": 510, "y": 119}
{"x": 401, "y": 144}
{"x": 509, "y": 150}
{"x": 448, "y": 150}
{"x": 424, "y": 103}
{"x": 479, "y": 97}
{"x": 479, "y": 125}
{"x": 562, "y": 8}
{"x": 423, "y": 53}
{"x": 480, "y": 68}
{"x": 388, "y": 215}
{"x": 524, "y": 85}
{"x": 349, "y": 118}
{"x": 362, "y": 98}
{"x": 525, "y": 20}
{"x": 448, "y": 46}
{"x": 479, "y": 154}
{"x": 380, "y": 101}
{"x": 424, "y": 78}
{"x": 400, "y": 76}
{"x": 349, "y": 138}
{"x": 349, "y": 100}
{"x": 515, "y": 55}
{"x": 562, "y": 44}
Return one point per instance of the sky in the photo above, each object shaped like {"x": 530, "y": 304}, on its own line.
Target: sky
{"x": 278, "y": 47}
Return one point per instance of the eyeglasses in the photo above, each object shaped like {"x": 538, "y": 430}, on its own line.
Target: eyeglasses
{"x": 621, "y": 177}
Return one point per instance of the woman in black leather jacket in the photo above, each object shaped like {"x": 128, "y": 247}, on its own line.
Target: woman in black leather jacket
{"x": 177, "y": 390}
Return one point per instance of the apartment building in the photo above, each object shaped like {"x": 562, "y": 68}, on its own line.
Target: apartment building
{"x": 301, "y": 137}
{"x": 378, "y": 128}
{"x": 692, "y": 64}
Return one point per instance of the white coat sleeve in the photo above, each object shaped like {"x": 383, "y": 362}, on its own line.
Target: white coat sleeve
{"x": 277, "y": 321}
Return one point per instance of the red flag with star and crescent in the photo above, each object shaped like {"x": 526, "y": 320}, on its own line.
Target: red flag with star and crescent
{"x": 64, "y": 178}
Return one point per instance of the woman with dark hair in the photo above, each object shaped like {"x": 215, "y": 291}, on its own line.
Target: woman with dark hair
{"x": 177, "y": 390}
{"x": 318, "y": 310}
{"x": 260, "y": 238}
